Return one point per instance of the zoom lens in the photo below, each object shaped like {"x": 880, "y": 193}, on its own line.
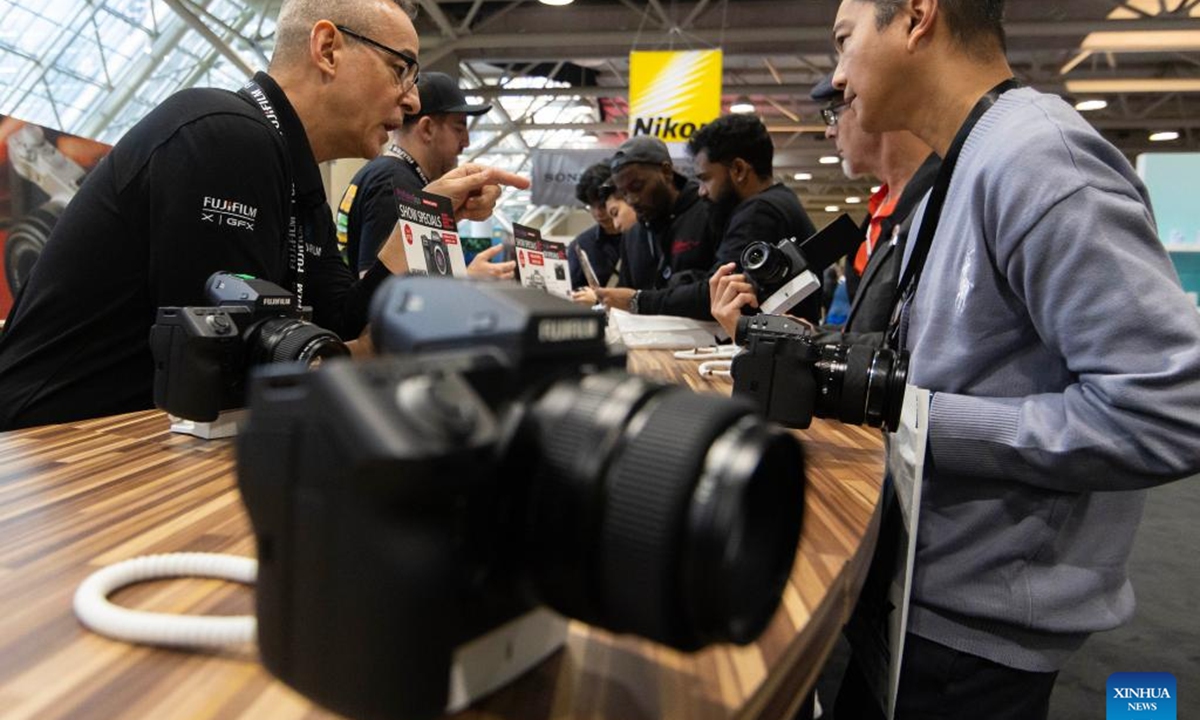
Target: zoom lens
{"x": 860, "y": 385}
{"x": 657, "y": 511}
{"x": 293, "y": 340}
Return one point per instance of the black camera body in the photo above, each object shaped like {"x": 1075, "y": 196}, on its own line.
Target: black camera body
{"x": 437, "y": 258}
{"x": 785, "y": 273}
{"x": 202, "y": 354}
{"x": 407, "y": 505}
{"x": 791, "y": 378}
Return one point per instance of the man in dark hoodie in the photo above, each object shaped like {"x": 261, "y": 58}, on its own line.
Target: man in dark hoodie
{"x": 675, "y": 241}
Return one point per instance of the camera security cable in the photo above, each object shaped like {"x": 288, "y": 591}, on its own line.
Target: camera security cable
{"x": 95, "y": 611}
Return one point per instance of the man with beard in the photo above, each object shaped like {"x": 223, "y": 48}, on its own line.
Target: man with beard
{"x": 733, "y": 157}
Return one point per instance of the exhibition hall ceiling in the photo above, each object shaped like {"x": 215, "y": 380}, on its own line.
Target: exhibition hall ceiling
{"x": 559, "y": 75}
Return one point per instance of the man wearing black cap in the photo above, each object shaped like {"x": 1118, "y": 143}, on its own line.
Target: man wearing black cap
{"x": 423, "y": 149}
{"x": 674, "y": 243}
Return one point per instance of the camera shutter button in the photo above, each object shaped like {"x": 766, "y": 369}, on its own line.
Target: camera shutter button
{"x": 220, "y": 324}
{"x": 438, "y": 405}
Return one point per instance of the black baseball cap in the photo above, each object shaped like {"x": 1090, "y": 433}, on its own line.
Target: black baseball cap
{"x": 645, "y": 149}
{"x": 824, "y": 91}
{"x": 440, "y": 94}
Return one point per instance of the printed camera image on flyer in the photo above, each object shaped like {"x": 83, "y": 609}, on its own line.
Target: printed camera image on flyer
{"x": 541, "y": 263}
{"x": 431, "y": 243}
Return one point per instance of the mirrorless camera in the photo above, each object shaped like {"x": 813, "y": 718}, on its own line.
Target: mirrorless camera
{"x": 437, "y": 258}
{"x": 789, "y": 271}
{"x": 499, "y": 462}
{"x": 202, "y": 354}
{"x": 792, "y": 379}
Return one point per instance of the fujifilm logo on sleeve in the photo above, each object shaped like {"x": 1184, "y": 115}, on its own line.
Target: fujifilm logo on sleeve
{"x": 1141, "y": 695}
{"x": 557, "y": 331}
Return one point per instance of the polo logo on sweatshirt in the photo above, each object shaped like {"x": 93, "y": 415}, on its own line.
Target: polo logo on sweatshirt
{"x": 228, "y": 213}
{"x": 1141, "y": 696}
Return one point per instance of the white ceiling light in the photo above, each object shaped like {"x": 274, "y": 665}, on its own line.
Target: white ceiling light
{"x": 803, "y": 176}
{"x": 876, "y": 188}
{"x": 742, "y": 106}
{"x": 830, "y": 160}
{"x": 853, "y": 200}
{"x": 832, "y": 208}
{"x": 1164, "y": 136}
{"x": 1133, "y": 85}
{"x": 557, "y": 2}
{"x": 1089, "y": 105}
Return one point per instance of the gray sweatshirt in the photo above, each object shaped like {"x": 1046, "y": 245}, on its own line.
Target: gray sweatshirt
{"x": 1065, "y": 362}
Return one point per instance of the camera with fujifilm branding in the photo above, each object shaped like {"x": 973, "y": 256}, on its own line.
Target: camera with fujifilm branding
{"x": 789, "y": 271}
{"x": 437, "y": 258}
{"x": 792, "y": 379}
{"x": 499, "y": 466}
{"x": 202, "y": 354}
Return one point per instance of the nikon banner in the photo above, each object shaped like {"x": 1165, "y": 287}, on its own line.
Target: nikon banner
{"x": 673, "y": 94}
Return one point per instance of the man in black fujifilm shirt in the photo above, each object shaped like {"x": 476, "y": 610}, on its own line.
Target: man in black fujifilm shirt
{"x": 214, "y": 180}
{"x": 734, "y": 158}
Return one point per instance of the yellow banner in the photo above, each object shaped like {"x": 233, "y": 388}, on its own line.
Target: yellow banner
{"x": 673, "y": 94}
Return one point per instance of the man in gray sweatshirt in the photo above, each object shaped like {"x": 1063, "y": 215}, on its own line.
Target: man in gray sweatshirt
{"x": 1062, "y": 355}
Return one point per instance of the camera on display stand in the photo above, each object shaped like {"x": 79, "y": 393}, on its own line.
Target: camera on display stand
{"x": 792, "y": 379}
{"x": 202, "y": 355}
{"x": 785, "y": 273}
{"x": 426, "y": 520}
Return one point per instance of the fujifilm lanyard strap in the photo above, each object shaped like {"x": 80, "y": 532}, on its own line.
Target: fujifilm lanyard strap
{"x": 295, "y": 232}
{"x": 906, "y": 290}
{"x": 401, "y": 154}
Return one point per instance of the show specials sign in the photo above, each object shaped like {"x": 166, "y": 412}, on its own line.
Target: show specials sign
{"x": 673, "y": 94}
{"x": 541, "y": 264}
{"x": 430, "y": 234}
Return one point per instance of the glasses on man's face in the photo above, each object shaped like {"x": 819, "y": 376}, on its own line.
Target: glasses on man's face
{"x": 831, "y": 114}
{"x": 406, "y": 74}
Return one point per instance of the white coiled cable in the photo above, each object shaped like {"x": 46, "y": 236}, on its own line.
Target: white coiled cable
{"x": 94, "y": 610}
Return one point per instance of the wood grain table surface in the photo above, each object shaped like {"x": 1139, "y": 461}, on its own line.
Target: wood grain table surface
{"x": 80, "y": 496}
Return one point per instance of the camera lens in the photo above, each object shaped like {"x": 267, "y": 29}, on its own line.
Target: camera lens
{"x": 440, "y": 261}
{"x": 657, "y": 511}
{"x": 765, "y": 265}
{"x": 860, "y": 385}
{"x": 293, "y": 340}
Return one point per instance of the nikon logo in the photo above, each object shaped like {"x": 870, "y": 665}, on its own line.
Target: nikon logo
{"x": 665, "y": 128}
{"x": 556, "y": 331}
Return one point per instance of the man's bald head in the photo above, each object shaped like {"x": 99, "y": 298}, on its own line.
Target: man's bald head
{"x": 297, "y": 17}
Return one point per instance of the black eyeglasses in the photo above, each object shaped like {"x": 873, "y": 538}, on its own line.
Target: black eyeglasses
{"x": 831, "y": 114}
{"x": 406, "y": 77}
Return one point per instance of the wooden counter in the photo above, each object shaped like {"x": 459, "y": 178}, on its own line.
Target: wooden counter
{"x": 80, "y": 496}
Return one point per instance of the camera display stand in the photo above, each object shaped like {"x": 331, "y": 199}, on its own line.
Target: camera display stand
{"x": 491, "y": 661}
{"x": 225, "y": 426}
{"x": 790, "y": 295}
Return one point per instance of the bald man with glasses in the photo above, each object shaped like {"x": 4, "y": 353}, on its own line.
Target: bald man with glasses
{"x": 215, "y": 180}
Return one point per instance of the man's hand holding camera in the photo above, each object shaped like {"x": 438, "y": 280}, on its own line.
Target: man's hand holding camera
{"x": 729, "y": 292}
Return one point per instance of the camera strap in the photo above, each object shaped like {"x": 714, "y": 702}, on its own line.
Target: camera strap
{"x": 402, "y": 155}
{"x": 906, "y": 289}
{"x": 295, "y": 226}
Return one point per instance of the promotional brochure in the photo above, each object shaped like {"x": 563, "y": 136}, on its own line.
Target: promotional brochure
{"x": 431, "y": 243}
{"x": 541, "y": 263}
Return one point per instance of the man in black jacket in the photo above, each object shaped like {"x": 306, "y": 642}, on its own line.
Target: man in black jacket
{"x": 734, "y": 157}
{"x": 213, "y": 180}
{"x": 674, "y": 241}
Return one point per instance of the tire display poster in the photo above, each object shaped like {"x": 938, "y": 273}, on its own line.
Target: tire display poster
{"x": 40, "y": 171}
{"x": 541, "y": 264}
{"x": 431, "y": 242}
